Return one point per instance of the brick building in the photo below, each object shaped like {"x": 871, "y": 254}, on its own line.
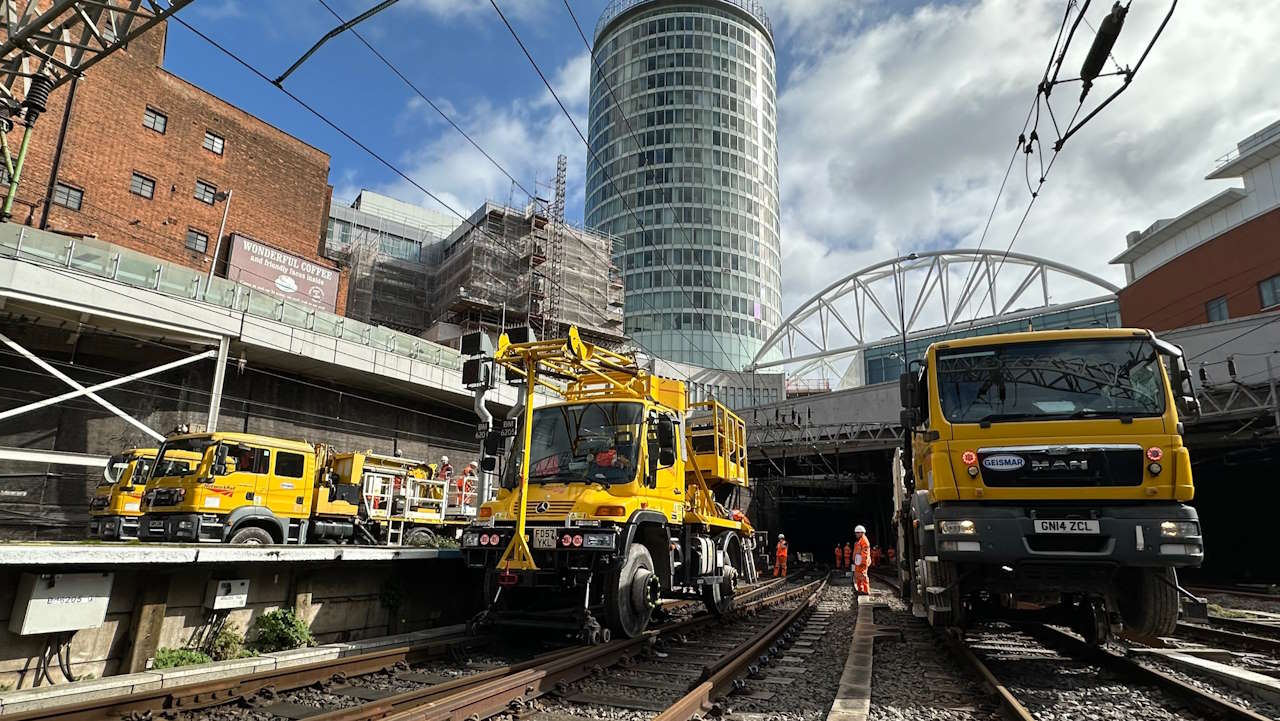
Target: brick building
{"x": 1218, "y": 260}
{"x": 146, "y": 162}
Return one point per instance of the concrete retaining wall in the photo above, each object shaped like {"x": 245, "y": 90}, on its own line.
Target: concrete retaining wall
{"x": 162, "y": 607}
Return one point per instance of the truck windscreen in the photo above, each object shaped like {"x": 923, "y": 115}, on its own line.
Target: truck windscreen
{"x": 587, "y": 443}
{"x": 167, "y": 465}
{"x": 1052, "y": 380}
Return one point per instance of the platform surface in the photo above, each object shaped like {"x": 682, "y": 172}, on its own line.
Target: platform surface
{"x": 115, "y": 554}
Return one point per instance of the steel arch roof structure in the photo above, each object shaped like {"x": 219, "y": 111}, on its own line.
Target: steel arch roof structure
{"x": 921, "y": 295}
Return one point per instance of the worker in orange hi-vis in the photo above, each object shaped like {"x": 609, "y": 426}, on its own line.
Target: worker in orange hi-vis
{"x": 780, "y": 562}
{"x": 875, "y": 555}
{"x": 848, "y": 556}
{"x": 861, "y": 561}
{"x": 839, "y": 557}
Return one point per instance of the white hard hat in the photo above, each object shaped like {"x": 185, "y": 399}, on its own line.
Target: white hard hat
{"x": 444, "y": 458}
{"x": 782, "y": 535}
{"x": 859, "y": 529}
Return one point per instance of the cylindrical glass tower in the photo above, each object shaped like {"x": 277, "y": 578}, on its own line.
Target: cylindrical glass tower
{"x": 684, "y": 169}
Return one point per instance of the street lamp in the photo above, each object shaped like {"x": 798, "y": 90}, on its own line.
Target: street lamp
{"x": 224, "y": 198}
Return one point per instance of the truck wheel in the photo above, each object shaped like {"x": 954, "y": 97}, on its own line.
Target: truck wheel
{"x": 945, "y": 578}
{"x": 251, "y": 536}
{"x": 631, "y": 593}
{"x": 1149, "y": 602}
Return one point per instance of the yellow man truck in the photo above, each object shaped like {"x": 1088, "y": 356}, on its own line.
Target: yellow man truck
{"x": 614, "y": 495}
{"x": 117, "y": 500}
{"x": 1044, "y": 477}
{"x": 251, "y": 489}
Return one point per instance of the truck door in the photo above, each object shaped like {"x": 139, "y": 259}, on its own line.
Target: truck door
{"x": 289, "y": 488}
{"x": 248, "y": 478}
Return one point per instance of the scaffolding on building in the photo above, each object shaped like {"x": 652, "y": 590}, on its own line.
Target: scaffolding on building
{"x": 508, "y": 267}
{"x": 391, "y": 263}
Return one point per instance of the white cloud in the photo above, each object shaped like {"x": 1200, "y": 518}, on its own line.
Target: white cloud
{"x": 895, "y": 129}
{"x": 471, "y": 10}
{"x": 219, "y": 10}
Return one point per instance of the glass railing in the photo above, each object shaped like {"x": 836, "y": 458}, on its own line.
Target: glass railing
{"x": 105, "y": 260}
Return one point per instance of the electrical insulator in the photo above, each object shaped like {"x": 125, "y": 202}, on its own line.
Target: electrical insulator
{"x": 1204, "y": 375}
{"x": 1231, "y": 366}
{"x": 1103, "y": 42}
{"x": 37, "y": 100}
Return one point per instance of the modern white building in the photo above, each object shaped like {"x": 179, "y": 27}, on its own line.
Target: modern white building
{"x": 683, "y": 167}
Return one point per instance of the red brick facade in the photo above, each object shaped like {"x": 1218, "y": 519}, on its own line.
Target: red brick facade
{"x": 280, "y": 184}
{"x": 1230, "y": 265}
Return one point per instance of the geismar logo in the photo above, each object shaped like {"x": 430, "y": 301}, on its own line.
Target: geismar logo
{"x": 1003, "y": 462}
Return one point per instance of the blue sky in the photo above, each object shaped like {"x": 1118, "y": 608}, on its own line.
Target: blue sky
{"x": 896, "y": 118}
{"x": 457, "y": 52}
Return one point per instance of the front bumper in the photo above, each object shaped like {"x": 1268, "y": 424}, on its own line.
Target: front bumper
{"x": 180, "y": 527}
{"x": 1128, "y": 535}
{"x": 550, "y": 560}
{"x": 114, "y": 528}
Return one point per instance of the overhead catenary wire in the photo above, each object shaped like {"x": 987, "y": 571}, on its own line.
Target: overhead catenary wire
{"x": 1044, "y": 91}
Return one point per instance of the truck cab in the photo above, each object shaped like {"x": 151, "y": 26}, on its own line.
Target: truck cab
{"x": 244, "y": 488}
{"x": 117, "y": 499}
{"x": 1047, "y": 468}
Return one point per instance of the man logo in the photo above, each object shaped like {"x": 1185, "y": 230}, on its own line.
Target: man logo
{"x": 542, "y": 507}
{"x": 1003, "y": 463}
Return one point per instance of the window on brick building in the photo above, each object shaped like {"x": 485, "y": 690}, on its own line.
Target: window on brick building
{"x": 1216, "y": 309}
{"x": 142, "y": 185}
{"x": 155, "y": 120}
{"x": 212, "y": 142}
{"x": 197, "y": 241}
{"x": 205, "y": 192}
{"x": 67, "y": 196}
{"x": 4, "y": 174}
{"x": 1269, "y": 289}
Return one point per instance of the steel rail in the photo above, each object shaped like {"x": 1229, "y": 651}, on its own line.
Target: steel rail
{"x": 1231, "y": 639}
{"x": 1235, "y": 591}
{"x": 718, "y": 678}
{"x": 1246, "y": 625}
{"x": 204, "y": 694}
{"x": 513, "y": 691}
{"x": 1009, "y": 704}
{"x": 1214, "y": 706}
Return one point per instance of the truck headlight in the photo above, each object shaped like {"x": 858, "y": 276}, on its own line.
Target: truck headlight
{"x": 598, "y": 540}
{"x": 965, "y": 528}
{"x": 471, "y": 538}
{"x": 1179, "y": 529}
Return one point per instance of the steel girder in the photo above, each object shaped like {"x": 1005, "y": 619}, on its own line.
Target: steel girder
{"x": 920, "y": 295}
{"x": 68, "y": 37}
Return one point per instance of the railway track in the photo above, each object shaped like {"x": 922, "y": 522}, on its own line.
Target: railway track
{"x": 1040, "y": 672}
{"x": 373, "y": 686}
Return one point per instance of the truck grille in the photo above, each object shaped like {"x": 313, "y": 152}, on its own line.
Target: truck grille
{"x": 552, "y": 508}
{"x": 98, "y": 503}
{"x": 1061, "y": 467}
{"x": 167, "y": 496}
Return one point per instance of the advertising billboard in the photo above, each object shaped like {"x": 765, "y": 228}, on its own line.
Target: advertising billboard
{"x": 282, "y": 274}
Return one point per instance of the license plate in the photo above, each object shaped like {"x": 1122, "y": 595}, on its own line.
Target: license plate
{"x": 1067, "y": 526}
{"x": 544, "y": 538}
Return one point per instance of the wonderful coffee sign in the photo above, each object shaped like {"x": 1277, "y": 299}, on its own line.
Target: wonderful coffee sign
{"x": 284, "y": 275}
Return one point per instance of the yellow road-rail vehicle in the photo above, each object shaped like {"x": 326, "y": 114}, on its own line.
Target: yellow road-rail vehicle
{"x": 116, "y": 505}
{"x": 615, "y": 494}
{"x": 253, "y": 489}
{"x": 1044, "y": 477}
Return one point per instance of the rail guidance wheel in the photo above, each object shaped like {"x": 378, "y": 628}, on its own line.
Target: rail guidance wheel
{"x": 631, "y": 592}
{"x": 719, "y": 597}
